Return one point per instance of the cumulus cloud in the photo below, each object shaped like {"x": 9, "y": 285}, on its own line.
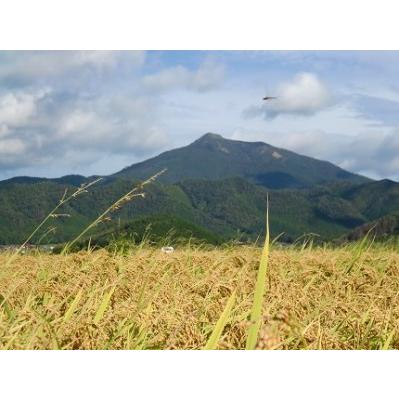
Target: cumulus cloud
{"x": 305, "y": 94}
{"x": 208, "y": 76}
{"x": 19, "y": 115}
{"x": 18, "y": 108}
{"x": 60, "y": 108}
{"x": 38, "y": 128}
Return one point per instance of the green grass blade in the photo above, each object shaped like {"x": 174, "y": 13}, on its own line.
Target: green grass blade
{"x": 221, "y": 323}
{"x": 256, "y": 311}
{"x": 68, "y": 314}
{"x": 103, "y": 306}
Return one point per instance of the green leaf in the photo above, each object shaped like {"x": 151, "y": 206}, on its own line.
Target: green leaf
{"x": 221, "y": 323}
{"x": 103, "y": 306}
{"x": 68, "y": 314}
{"x": 256, "y": 311}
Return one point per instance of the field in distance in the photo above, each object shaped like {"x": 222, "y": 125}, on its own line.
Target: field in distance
{"x": 316, "y": 298}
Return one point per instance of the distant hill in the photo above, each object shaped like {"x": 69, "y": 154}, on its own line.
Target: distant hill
{"x": 163, "y": 229}
{"x": 230, "y": 208}
{"x": 213, "y": 157}
{"x": 374, "y": 199}
{"x": 74, "y": 180}
{"x": 385, "y": 228}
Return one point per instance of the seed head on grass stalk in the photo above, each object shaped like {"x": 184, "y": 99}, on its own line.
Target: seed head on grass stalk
{"x": 129, "y": 196}
{"x": 53, "y": 213}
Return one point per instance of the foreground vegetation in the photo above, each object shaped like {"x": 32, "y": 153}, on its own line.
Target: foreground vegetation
{"x": 315, "y": 298}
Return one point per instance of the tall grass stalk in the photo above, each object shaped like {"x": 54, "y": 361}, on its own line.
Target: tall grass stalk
{"x": 130, "y": 195}
{"x": 256, "y": 311}
{"x": 65, "y": 199}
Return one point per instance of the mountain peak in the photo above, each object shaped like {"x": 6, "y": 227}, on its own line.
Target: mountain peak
{"x": 210, "y": 137}
{"x": 214, "y": 157}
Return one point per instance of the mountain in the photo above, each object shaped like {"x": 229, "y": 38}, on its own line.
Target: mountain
{"x": 218, "y": 193}
{"x": 213, "y": 157}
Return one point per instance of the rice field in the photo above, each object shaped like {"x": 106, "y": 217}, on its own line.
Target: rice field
{"x": 202, "y": 298}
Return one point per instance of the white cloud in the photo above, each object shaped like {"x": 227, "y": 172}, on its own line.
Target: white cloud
{"x": 208, "y": 76}
{"x": 305, "y": 94}
{"x": 84, "y": 127}
{"x": 34, "y": 132}
{"x": 17, "y": 108}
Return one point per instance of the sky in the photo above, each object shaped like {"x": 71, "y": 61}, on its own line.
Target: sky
{"x": 96, "y": 112}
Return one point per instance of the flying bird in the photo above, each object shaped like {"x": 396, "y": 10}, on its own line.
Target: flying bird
{"x": 269, "y": 98}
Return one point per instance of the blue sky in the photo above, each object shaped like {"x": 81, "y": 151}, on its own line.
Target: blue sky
{"x": 96, "y": 112}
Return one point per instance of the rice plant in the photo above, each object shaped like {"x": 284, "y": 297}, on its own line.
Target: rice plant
{"x": 197, "y": 298}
